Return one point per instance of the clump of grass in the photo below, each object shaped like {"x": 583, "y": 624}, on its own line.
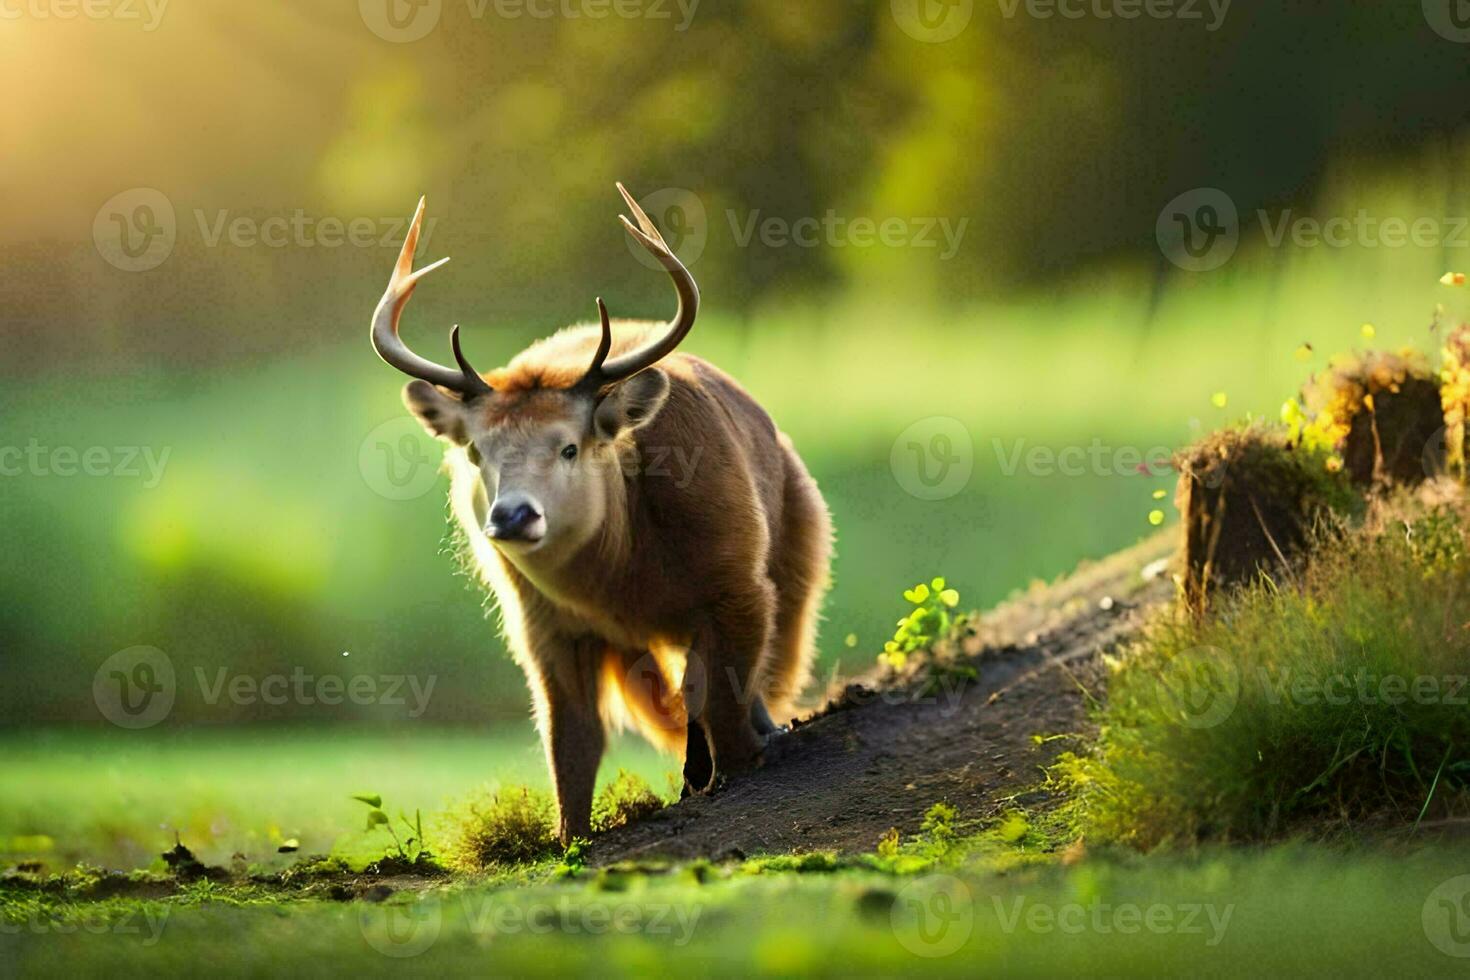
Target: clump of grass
{"x": 627, "y": 799}
{"x": 1250, "y": 499}
{"x": 1293, "y": 710}
{"x": 809, "y": 862}
{"x": 517, "y": 826}
{"x": 505, "y": 829}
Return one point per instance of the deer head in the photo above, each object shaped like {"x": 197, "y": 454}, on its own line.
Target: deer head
{"x": 547, "y": 453}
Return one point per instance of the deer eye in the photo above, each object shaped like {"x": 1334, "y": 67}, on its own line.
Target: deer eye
{"x": 570, "y": 452}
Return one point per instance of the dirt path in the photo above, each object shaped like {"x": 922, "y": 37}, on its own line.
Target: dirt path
{"x": 874, "y": 760}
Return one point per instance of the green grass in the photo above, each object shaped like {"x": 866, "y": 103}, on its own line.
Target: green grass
{"x": 1336, "y": 700}
{"x": 1216, "y": 914}
{"x": 117, "y": 798}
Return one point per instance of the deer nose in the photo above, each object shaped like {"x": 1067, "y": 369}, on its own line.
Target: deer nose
{"x": 510, "y": 520}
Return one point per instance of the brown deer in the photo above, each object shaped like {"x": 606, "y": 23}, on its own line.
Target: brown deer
{"x": 685, "y": 608}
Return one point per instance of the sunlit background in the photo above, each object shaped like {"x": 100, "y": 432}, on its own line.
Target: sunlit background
{"x": 933, "y": 239}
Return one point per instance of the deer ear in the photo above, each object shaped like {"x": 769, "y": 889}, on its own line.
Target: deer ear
{"x": 441, "y": 414}
{"x": 632, "y": 403}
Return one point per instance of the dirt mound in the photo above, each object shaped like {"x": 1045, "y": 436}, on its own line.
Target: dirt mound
{"x": 874, "y": 759}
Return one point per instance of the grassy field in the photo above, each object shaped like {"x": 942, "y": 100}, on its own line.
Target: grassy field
{"x": 117, "y": 798}
{"x": 988, "y": 908}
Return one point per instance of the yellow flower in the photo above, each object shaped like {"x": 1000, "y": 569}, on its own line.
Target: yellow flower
{"x": 1369, "y": 332}
{"x": 1156, "y": 517}
{"x": 1219, "y": 399}
{"x": 1159, "y": 494}
{"x": 950, "y": 598}
{"x": 1453, "y": 279}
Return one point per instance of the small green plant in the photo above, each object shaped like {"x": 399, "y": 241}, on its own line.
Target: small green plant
{"x": 929, "y": 620}
{"x": 410, "y": 848}
{"x": 574, "y": 861}
{"x": 938, "y": 828}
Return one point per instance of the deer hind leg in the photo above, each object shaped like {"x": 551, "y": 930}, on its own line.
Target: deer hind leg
{"x": 800, "y": 570}
{"x": 724, "y": 678}
{"x": 699, "y": 767}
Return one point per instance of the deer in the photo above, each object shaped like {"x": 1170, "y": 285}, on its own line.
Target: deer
{"x": 686, "y": 610}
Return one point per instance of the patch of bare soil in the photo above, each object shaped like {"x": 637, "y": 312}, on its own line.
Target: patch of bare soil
{"x": 877, "y": 758}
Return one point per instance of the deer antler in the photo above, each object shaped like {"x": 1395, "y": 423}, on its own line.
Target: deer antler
{"x": 390, "y": 346}
{"x": 605, "y": 372}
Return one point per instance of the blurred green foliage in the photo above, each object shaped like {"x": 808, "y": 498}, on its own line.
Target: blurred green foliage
{"x": 273, "y": 541}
